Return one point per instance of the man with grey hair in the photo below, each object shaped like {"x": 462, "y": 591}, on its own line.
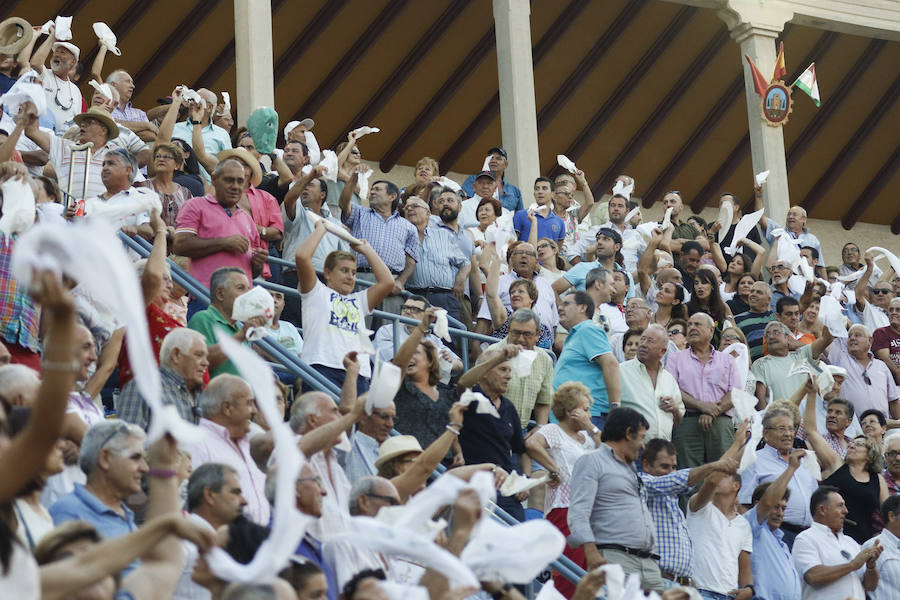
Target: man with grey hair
{"x": 19, "y": 384}
{"x": 124, "y": 113}
{"x": 112, "y": 457}
{"x": 599, "y": 284}
{"x": 227, "y": 405}
{"x": 794, "y": 227}
{"x": 869, "y": 383}
{"x": 183, "y": 360}
{"x": 215, "y": 139}
{"x": 773, "y": 378}
{"x": 705, "y": 377}
{"x": 648, "y": 388}
{"x": 753, "y": 322}
{"x": 119, "y": 169}
{"x": 532, "y": 392}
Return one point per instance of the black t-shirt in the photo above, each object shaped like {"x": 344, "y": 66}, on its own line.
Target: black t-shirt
{"x": 753, "y": 235}
{"x": 192, "y": 182}
{"x": 269, "y": 184}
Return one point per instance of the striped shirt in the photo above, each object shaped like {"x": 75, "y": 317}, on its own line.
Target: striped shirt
{"x": 438, "y": 261}
{"x": 673, "y": 544}
{"x": 18, "y": 315}
{"x": 132, "y": 408}
{"x": 535, "y": 388}
{"x": 753, "y": 325}
{"x": 393, "y": 239}
{"x": 61, "y": 157}
{"x": 129, "y": 113}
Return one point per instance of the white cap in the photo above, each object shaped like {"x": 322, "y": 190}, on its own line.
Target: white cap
{"x": 68, "y": 46}
{"x": 834, "y": 370}
{"x": 307, "y": 122}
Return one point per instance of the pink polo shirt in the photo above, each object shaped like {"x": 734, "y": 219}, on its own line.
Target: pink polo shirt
{"x": 266, "y": 213}
{"x": 709, "y": 381}
{"x": 206, "y": 218}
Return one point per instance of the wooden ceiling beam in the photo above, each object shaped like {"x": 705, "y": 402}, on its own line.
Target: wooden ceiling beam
{"x": 386, "y": 91}
{"x": 173, "y": 43}
{"x": 322, "y": 92}
{"x": 492, "y": 109}
{"x": 320, "y": 21}
{"x": 871, "y": 191}
{"x": 438, "y": 102}
{"x": 122, "y": 27}
{"x": 71, "y": 8}
{"x": 663, "y": 108}
{"x": 7, "y": 6}
{"x": 851, "y": 148}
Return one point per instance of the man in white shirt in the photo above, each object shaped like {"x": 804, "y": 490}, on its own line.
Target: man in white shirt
{"x": 648, "y": 388}
{"x": 119, "y": 170}
{"x": 831, "y": 565}
{"x": 888, "y": 564}
{"x": 63, "y": 96}
{"x": 485, "y": 186}
{"x": 872, "y": 303}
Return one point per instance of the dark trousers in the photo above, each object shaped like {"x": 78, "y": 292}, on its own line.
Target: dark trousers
{"x": 336, "y": 376}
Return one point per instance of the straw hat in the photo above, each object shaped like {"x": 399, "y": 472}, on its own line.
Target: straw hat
{"x": 396, "y": 446}
{"x": 95, "y": 112}
{"x": 15, "y": 33}
{"x": 245, "y": 157}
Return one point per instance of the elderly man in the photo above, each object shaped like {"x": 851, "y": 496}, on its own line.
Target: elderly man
{"x": 523, "y": 265}
{"x": 183, "y": 362}
{"x": 850, "y": 263}
{"x": 508, "y": 194}
{"x": 214, "y": 500}
{"x": 888, "y": 564}
{"x": 366, "y": 439}
{"x": 587, "y": 357}
{"x": 869, "y": 383}
{"x": 684, "y": 231}
{"x": 781, "y": 274}
{"x": 63, "y": 96}
{"x": 795, "y": 227}
{"x": 227, "y": 406}
{"x": 94, "y": 126}
{"x": 215, "y": 139}
{"x": 575, "y": 217}
{"x": 225, "y": 285}
{"x": 112, "y": 457}
{"x": 19, "y": 384}
{"x": 886, "y": 340}
{"x": 534, "y": 391}
{"x": 394, "y": 238}
{"x": 213, "y": 232}
{"x": 779, "y": 427}
{"x": 773, "y": 379}
{"x": 648, "y": 388}
{"x": 872, "y": 303}
{"x": 892, "y": 460}
{"x": 107, "y": 97}
{"x": 124, "y": 113}
{"x": 753, "y": 322}
{"x": 832, "y": 565}
{"x": 637, "y": 316}
{"x": 119, "y": 170}
{"x": 705, "y": 377}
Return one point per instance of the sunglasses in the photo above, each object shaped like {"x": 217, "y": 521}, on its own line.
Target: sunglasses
{"x": 676, "y": 332}
{"x": 881, "y": 291}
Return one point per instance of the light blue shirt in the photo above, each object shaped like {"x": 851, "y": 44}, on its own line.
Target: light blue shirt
{"x": 215, "y": 139}
{"x": 769, "y": 466}
{"x": 360, "y": 462}
{"x": 577, "y": 275}
{"x": 439, "y": 260}
{"x": 774, "y": 575}
{"x": 288, "y": 336}
{"x": 585, "y": 342}
{"x": 301, "y": 226}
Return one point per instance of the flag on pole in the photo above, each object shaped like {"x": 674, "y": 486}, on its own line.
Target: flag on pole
{"x": 780, "y": 69}
{"x": 759, "y": 80}
{"x": 808, "y": 84}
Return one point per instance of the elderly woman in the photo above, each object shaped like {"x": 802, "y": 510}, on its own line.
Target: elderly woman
{"x": 427, "y": 170}
{"x": 857, "y": 475}
{"x": 566, "y": 441}
{"x": 167, "y": 159}
{"x": 487, "y": 213}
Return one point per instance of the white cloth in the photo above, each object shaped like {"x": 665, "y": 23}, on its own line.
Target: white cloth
{"x": 63, "y": 100}
{"x": 134, "y": 220}
{"x": 888, "y": 565}
{"x": 614, "y": 319}
{"x": 215, "y": 445}
{"x": 336, "y": 503}
{"x": 718, "y": 541}
{"x": 565, "y": 452}
{"x": 639, "y": 393}
{"x": 36, "y": 521}
{"x": 22, "y": 580}
{"x": 545, "y": 307}
{"x": 186, "y": 589}
{"x": 333, "y": 321}
{"x": 874, "y": 317}
{"x": 818, "y": 545}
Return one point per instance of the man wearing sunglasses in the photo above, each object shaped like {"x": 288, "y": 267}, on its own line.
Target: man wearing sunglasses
{"x": 869, "y": 383}
{"x": 872, "y": 302}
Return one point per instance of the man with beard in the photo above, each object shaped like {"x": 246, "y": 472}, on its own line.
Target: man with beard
{"x": 63, "y": 96}
{"x": 442, "y": 267}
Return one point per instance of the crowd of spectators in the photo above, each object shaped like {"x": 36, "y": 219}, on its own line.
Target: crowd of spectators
{"x": 630, "y": 364}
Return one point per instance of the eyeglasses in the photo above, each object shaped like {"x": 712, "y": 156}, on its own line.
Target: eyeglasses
{"x": 545, "y": 245}
{"x": 782, "y": 429}
{"x": 676, "y": 331}
{"x": 411, "y": 308}
{"x": 845, "y": 554}
{"x": 524, "y": 253}
{"x": 383, "y": 415}
{"x": 881, "y": 291}
{"x": 316, "y": 479}
{"x": 891, "y": 454}
{"x": 389, "y": 499}
{"x": 514, "y": 333}
{"x": 164, "y": 157}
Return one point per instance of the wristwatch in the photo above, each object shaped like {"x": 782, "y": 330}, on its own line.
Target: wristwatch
{"x": 595, "y": 430}
{"x": 193, "y": 122}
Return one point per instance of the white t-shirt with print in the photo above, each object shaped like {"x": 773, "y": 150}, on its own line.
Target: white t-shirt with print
{"x": 332, "y": 324}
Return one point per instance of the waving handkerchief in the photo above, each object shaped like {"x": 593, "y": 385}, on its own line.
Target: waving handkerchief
{"x": 514, "y": 554}
{"x": 762, "y": 177}
{"x": 257, "y": 302}
{"x": 742, "y": 357}
{"x": 549, "y": 592}
{"x": 107, "y": 38}
{"x": 312, "y": 144}
{"x": 515, "y": 483}
{"x": 364, "y": 130}
{"x": 365, "y": 341}
{"x": 832, "y": 316}
{"x": 288, "y": 524}
{"x": 521, "y": 362}
{"x": 330, "y": 162}
{"x": 535, "y": 208}
{"x": 403, "y": 591}
{"x": 742, "y": 229}
{"x": 103, "y": 88}
{"x": 825, "y": 377}
{"x": 226, "y": 104}
{"x": 486, "y": 165}
{"x": 446, "y": 181}
{"x": 801, "y": 266}
{"x": 615, "y": 581}
{"x": 892, "y": 258}
{"x": 621, "y": 189}
{"x": 386, "y": 380}
{"x": 811, "y": 464}
{"x": 441, "y": 327}
{"x": 139, "y": 201}
{"x": 667, "y": 220}
{"x": 50, "y": 212}
{"x": 744, "y": 405}
{"x": 726, "y": 214}
{"x": 363, "y": 181}
{"x": 485, "y": 406}
{"x": 45, "y": 28}
{"x": 28, "y": 88}
{"x": 189, "y": 95}
{"x": 417, "y": 513}
{"x": 334, "y": 228}
{"x": 632, "y": 214}
{"x": 566, "y": 163}
{"x": 853, "y": 277}
{"x": 18, "y": 207}
{"x": 63, "y": 31}
{"x": 756, "y": 433}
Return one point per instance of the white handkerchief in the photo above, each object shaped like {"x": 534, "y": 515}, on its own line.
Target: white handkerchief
{"x": 852, "y": 277}
{"x": 646, "y": 229}
{"x": 494, "y": 234}
{"x": 50, "y": 212}
{"x": 801, "y": 367}
{"x": 363, "y": 181}
{"x": 632, "y": 214}
{"x": 667, "y": 219}
{"x": 139, "y": 201}
{"x": 417, "y": 513}
{"x": 257, "y": 302}
{"x": 312, "y": 144}
{"x": 45, "y": 28}
{"x": 516, "y": 483}
{"x": 566, "y": 163}
{"x": 365, "y": 341}
{"x": 811, "y": 464}
{"x": 446, "y": 181}
{"x": 542, "y": 210}
{"x": 334, "y": 228}
{"x": 892, "y": 258}
{"x": 330, "y": 162}
{"x": 441, "y": 326}
{"x": 486, "y": 166}
{"x": 832, "y": 316}
{"x": 103, "y": 88}
{"x": 761, "y": 178}
{"x": 28, "y": 88}
{"x": 802, "y": 267}
{"x": 743, "y": 227}
{"x": 63, "y": 30}
{"x": 521, "y": 362}
{"x": 624, "y": 190}
{"x": 549, "y": 592}
{"x": 825, "y": 379}
{"x": 742, "y": 360}
{"x": 189, "y": 95}
{"x": 226, "y": 100}
{"x": 364, "y": 130}
{"x": 726, "y": 214}
{"x": 107, "y": 37}
{"x": 18, "y": 207}
{"x": 797, "y": 283}
{"x": 744, "y": 404}
{"x": 756, "y": 433}
{"x": 615, "y": 581}
{"x": 485, "y": 406}
{"x": 514, "y": 554}
{"x": 386, "y": 381}
{"x": 403, "y": 591}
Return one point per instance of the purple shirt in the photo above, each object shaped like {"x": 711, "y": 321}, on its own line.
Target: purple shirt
{"x": 876, "y": 394}
{"x": 709, "y": 381}
{"x": 206, "y": 218}
{"x": 129, "y": 113}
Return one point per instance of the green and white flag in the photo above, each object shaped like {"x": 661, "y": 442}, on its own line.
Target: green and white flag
{"x": 808, "y": 84}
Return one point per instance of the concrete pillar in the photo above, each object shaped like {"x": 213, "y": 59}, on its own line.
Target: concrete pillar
{"x": 518, "y": 115}
{"x": 253, "y": 52}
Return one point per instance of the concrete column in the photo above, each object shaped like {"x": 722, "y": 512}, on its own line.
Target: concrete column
{"x": 253, "y": 52}
{"x": 518, "y": 115}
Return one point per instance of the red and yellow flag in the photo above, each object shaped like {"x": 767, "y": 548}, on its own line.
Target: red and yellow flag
{"x": 780, "y": 68}
{"x": 759, "y": 81}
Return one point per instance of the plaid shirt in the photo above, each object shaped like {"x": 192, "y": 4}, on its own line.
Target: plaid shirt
{"x": 129, "y": 113}
{"x": 132, "y": 408}
{"x": 535, "y": 388}
{"x": 673, "y": 544}
{"x": 892, "y": 485}
{"x": 393, "y": 238}
{"x": 833, "y": 440}
{"x": 18, "y": 316}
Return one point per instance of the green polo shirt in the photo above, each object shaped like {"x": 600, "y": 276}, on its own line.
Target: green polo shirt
{"x": 206, "y": 322}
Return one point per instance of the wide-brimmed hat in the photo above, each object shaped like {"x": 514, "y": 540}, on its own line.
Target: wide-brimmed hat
{"x": 95, "y": 112}
{"x": 15, "y": 33}
{"x": 245, "y": 157}
{"x": 396, "y": 446}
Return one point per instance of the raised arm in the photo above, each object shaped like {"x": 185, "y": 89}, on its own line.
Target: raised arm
{"x": 822, "y": 342}
{"x": 39, "y": 58}
{"x": 416, "y": 476}
{"x": 863, "y": 282}
{"x": 208, "y": 161}
{"x": 97, "y": 66}
{"x": 585, "y": 209}
{"x": 324, "y": 436}
{"x": 167, "y": 126}
{"x": 760, "y": 256}
{"x": 384, "y": 279}
{"x": 106, "y": 363}
{"x": 718, "y": 258}
{"x": 408, "y": 348}
{"x": 301, "y": 180}
{"x": 155, "y": 269}
{"x": 306, "y": 272}
{"x": 828, "y": 459}
{"x": 492, "y": 288}
{"x": 758, "y": 204}
{"x": 477, "y": 373}
{"x": 345, "y": 154}
{"x": 23, "y": 59}
{"x": 648, "y": 261}
{"x": 29, "y": 119}
{"x": 8, "y": 148}
{"x": 347, "y": 195}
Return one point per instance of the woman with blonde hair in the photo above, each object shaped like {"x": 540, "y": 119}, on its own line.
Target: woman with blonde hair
{"x": 553, "y": 266}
